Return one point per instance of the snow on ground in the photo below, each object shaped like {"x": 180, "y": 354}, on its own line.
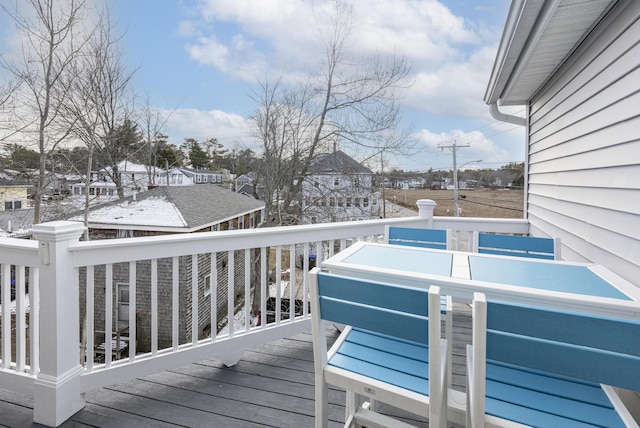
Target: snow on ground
{"x": 12, "y": 305}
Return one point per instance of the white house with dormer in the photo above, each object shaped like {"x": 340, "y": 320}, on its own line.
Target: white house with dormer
{"x": 338, "y": 188}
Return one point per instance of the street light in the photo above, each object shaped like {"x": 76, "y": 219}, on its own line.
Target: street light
{"x": 456, "y": 208}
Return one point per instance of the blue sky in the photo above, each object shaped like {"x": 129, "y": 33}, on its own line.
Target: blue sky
{"x": 199, "y": 60}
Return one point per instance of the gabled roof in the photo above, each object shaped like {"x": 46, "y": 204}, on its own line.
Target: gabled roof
{"x": 173, "y": 209}
{"x": 338, "y": 162}
{"x": 538, "y": 37}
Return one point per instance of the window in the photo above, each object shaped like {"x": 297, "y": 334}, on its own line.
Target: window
{"x": 349, "y": 202}
{"x": 123, "y": 306}
{"x": 12, "y": 205}
{"x": 332, "y": 201}
{"x": 207, "y": 285}
{"x": 205, "y": 178}
{"x": 336, "y": 182}
{"x": 92, "y": 191}
{"x": 199, "y": 178}
{"x": 356, "y": 182}
{"x": 365, "y": 202}
{"x": 340, "y": 202}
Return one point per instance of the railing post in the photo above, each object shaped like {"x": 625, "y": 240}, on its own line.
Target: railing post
{"x": 425, "y": 210}
{"x": 57, "y": 390}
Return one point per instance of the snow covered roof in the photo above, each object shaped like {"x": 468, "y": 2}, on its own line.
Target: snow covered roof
{"x": 173, "y": 209}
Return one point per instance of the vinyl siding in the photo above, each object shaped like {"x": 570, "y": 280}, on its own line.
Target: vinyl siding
{"x": 584, "y": 149}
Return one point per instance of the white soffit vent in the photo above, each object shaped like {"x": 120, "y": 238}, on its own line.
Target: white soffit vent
{"x": 556, "y": 38}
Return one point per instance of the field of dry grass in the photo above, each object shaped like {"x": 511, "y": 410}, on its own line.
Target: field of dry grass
{"x": 474, "y": 203}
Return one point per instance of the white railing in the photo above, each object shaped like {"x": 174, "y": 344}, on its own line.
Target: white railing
{"x": 159, "y": 286}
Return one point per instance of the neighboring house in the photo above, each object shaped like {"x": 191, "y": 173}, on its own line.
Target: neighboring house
{"x": 134, "y": 177}
{"x": 245, "y": 185}
{"x": 13, "y": 194}
{"x": 189, "y": 177}
{"x": 575, "y": 66}
{"x": 245, "y": 179}
{"x": 338, "y": 188}
{"x": 169, "y": 210}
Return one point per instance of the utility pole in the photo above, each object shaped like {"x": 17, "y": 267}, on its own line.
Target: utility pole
{"x": 454, "y": 148}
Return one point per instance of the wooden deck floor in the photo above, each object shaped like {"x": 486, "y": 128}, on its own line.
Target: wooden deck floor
{"x": 272, "y": 386}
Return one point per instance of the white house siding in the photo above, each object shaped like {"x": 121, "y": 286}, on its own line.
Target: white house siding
{"x": 584, "y": 149}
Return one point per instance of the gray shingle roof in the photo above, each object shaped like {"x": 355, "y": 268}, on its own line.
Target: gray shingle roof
{"x": 338, "y": 162}
{"x": 173, "y": 208}
{"x": 205, "y": 203}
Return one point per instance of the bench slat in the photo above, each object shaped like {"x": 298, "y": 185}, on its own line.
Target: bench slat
{"x": 516, "y": 243}
{"x": 543, "y": 382}
{"x": 394, "y": 297}
{"x": 378, "y": 341}
{"x": 382, "y": 373}
{"x": 373, "y": 318}
{"x": 528, "y": 416}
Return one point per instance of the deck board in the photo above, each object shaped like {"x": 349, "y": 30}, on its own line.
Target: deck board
{"x": 271, "y": 386}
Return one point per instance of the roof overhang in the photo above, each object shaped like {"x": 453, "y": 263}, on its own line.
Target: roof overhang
{"x": 538, "y": 37}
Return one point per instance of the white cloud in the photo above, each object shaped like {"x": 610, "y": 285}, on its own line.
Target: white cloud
{"x": 480, "y": 146}
{"x": 228, "y": 128}
{"x": 450, "y": 56}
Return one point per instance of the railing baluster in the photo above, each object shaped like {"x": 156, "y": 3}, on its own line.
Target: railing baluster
{"x": 6, "y": 316}
{"x": 214, "y": 295}
{"x": 21, "y": 327}
{"x": 34, "y": 320}
{"x": 305, "y": 278}
{"x": 132, "y": 311}
{"x": 292, "y": 281}
{"x": 247, "y": 292}
{"x": 319, "y": 253}
{"x": 263, "y": 287}
{"x": 278, "y": 283}
{"x": 154, "y": 307}
{"x": 89, "y": 314}
{"x": 194, "y": 299}
{"x": 231, "y": 291}
{"x": 108, "y": 310}
{"x": 175, "y": 322}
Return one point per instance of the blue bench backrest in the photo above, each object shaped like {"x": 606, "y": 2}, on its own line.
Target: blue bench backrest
{"x": 513, "y": 245}
{"x": 587, "y": 347}
{"x": 383, "y": 308}
{"x": 418, "y": 237}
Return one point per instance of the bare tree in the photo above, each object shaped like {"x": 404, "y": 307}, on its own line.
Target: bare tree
{"x": 52, "y": 39}
{"x": 100, "y": 103}
{"x": 352, "y": 101}
{"x": 152, "y": 124}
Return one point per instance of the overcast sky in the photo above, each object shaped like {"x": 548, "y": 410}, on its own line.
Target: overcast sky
{"x": 200, "y": 59}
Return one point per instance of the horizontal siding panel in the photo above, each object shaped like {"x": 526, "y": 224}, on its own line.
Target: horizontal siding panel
{"x": 576, "y": 247}
{"x": 584, "y": 150}
{"x": 611, "y": 157}
{"x": 606, "y": 137}
{"x": 601, "y": 51}
{"x": 590, "y": 214}
{"x": 579, "y": 110}
{"x": 594, "y": 76}
{"x": 623, "y": 177}
{"x": 622, "y": 200}
{"x": 625, "y": 109}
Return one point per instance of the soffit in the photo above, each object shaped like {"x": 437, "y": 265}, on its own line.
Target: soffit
{"x": 538, "y": 38}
